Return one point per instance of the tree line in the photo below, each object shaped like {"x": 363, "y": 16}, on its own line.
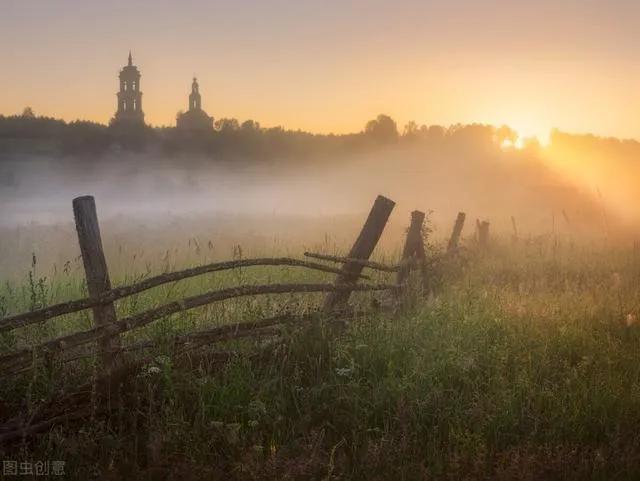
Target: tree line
{"x": 28, "y": 132}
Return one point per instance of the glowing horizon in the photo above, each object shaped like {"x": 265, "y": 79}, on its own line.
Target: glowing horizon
{"x": 329, "y": 67}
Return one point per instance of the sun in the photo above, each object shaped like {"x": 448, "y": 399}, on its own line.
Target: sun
{"x": 510, "y": 144}
{"x": 523, "y": 141}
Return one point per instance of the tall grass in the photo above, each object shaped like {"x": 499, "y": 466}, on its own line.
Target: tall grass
{"x": 522, "y": 365}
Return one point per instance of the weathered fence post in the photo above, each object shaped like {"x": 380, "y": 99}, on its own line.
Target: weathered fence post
{"x": 514, "y": 237}
{"x": 413, "y": 246}
{"x": 95, "y": 268}
{"x": 362, "y": 249}
{"x": 457, "y": 230}
{"x": 483, "y": 234}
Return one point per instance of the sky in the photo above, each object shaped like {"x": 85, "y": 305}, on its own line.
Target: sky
{"x": 329, "y": 66}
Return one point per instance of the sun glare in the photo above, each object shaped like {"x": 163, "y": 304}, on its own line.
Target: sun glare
{"x": 523, "y": 141}
{"x": 519, "y": 143}
{"x": 507, "y": 144}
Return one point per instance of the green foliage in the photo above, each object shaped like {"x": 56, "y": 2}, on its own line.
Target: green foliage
{"x": 522, "y": 366}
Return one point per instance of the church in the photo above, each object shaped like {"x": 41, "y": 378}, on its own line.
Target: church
{"x": 129, "y": 114}
{"x": 194, "y": 119}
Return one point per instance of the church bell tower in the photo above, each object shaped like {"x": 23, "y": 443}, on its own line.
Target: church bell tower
{"x": 195, "y": 119}
{"x": 129, "y": 97}
{"x": 194, "y": 98}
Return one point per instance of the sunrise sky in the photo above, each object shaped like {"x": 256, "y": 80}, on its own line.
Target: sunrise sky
{"x": 329, "y": 66}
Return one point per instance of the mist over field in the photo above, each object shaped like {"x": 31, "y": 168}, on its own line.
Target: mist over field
{"x": 154, "y": 200}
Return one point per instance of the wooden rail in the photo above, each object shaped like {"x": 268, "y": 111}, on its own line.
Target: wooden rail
{"x": 107, "y": 328}
{"x": 350, "y": 260}
{"x": 44, "y": 314}
{"x": 19, "y": 359}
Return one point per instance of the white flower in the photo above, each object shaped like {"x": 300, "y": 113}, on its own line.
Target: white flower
{"x": 163, "y": 360}
{"x": 631, "y": 319}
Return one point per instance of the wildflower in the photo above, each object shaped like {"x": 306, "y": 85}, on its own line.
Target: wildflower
{"x": 148, "y": 371}
{"x": 257, "y": 408}
{"x": 631, "y": 319}
{"x": 163, "y": 360}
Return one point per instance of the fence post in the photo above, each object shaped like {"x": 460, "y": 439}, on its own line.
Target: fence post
{"x": 483, "y": 234}
{"x": 514, "y": 237}
{"x": 95, "y": 268}
{"x": 412, "y": 245}
{"x": 362, "y": 249}
{"x": 457, "y": 230}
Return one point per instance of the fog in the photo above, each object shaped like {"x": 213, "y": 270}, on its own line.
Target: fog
{"x": 154, "y": 202}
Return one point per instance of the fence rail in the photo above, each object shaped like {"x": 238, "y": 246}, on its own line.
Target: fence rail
{"x": 50, "y": 312}
{"x": 17, "y": 360}
{"x": 107, "y": 328}
{"x": 350, "y": 260}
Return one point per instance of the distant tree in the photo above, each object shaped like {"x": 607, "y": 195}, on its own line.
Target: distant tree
{"x": 383, "y": 129}
{"x": 411, "y": 130}
{"x": 250, "y": 125}
{"x": 227, "y": 125}
{"x": 472, "y": 136}
{"x": 27, "y": 113}
{"x": 504, "y": 134}
{"x": 82, "y": 137}
{"x": 433, "y": 133}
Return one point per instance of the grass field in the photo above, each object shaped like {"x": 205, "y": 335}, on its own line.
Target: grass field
{"x": 523, "y": 364}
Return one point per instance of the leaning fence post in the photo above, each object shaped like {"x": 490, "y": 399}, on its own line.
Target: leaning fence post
{"x": 514, "y": 237}
{"x": 95, "y": 268}
{"x": 362, "y": 249}
{"x": 457, "y": 230}
{"x": 412, "y": 245}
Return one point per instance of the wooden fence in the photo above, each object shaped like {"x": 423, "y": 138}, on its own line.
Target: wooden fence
{"x": 107, "y": 329}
